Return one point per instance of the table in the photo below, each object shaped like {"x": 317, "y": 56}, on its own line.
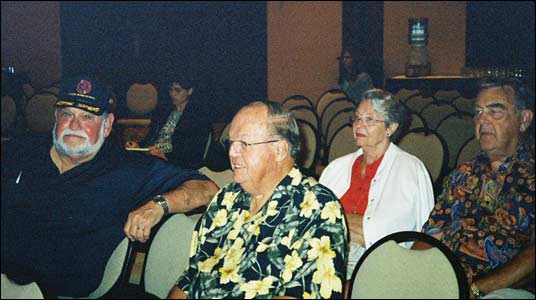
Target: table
{"x": 429, "y": 85}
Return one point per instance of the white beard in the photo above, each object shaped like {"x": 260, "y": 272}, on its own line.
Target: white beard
{"x": 85, "y": 148}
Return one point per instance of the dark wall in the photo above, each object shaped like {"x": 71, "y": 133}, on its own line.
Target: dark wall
{"x": 501, "y": 34}
{"x": 222, "y": 45}
{"x": 362, "y": 28}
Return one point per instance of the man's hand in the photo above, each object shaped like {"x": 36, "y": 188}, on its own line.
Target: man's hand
{"x": 189, "y": 195}
{"x": 156, "y": 152}
{"x": 176, "y": 293}
{"x": 132, "y": 144}
{"x": 355, "y": 224}
{"x": 141, "y": 221}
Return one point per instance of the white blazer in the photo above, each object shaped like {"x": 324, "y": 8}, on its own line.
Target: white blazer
{"x": 400, "y": 198}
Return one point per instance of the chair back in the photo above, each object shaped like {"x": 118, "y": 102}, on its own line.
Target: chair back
{"x": 456, "y": 128}
{"x": 9, "y": 113}
{"x": 435, "y": 112}
{"x": 342, "y": 143}
{"x": 430, "y": 148}
{"x": 310, "y": 145}
{"x": 169, "y": 254}
{"x": 222, "y": 178}
{"x": 331, "y": 110}
{"x": 469, "y": 150}
{"x": 11, "y": 290}
{"x": 142, "y": 98}
{"x": 224, "y": 136}
{"x": 297, "y": 100}
{"x": 327, "y": 97}
{"x": 40, "y": 112}
{"x": 115, "y": 273}
{"x": 465, "y": 104}
{"x": 416, "y": 121}
{"x": 388, "y": 270}
{"x": 404, "y": 94}
{"x": 417, "y": 102}
{"x": 306, "y": 113}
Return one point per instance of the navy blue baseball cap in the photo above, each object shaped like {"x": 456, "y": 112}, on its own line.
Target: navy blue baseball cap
{"x": 86, "y": 93}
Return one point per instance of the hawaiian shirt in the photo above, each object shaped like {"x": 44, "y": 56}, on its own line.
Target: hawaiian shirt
{"x": 486, "y": 217}
{"x": 163, "y": 143}
{"x": 294, "y": 246}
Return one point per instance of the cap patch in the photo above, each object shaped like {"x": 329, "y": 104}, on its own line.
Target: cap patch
{"x": 84, "y": 87}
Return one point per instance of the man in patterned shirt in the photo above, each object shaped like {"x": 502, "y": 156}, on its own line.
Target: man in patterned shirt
{"x": 486, "y": 212}
{"x": 272, "y": 231}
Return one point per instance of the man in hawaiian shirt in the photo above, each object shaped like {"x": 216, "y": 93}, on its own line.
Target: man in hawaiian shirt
{"x": 486, "y": 212}
{"x": 272, "y": 231}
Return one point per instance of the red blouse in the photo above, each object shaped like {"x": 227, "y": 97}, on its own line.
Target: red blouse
{"x": 355, "y": 199}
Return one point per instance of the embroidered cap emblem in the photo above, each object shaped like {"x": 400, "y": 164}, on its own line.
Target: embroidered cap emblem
{"x": 84, "y": 87}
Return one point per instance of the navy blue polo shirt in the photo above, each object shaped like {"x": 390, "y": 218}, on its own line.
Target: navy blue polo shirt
{"x": 60, "y": 229}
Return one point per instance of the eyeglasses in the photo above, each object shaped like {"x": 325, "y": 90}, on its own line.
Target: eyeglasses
{"x": 496, "y": 113}
{"x": 242, "y": 145}
{"x": 367, "y": 120}
{"x": 344, "y": 57}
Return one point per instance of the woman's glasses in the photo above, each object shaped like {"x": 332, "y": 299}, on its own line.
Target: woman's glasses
{"x": 369, "y": 121}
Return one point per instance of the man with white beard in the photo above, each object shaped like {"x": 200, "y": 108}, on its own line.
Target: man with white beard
{"x": 66, "y": 205}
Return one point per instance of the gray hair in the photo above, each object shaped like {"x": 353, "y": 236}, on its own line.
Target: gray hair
{"x": 283, "y": 125}
{"x": 523, "y": 96}
{"x": 389, "y": 107}
{"x": 523, "y": 99}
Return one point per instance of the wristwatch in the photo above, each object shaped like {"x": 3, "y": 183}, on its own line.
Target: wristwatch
{"x": 476, "y": 292}
{"x": 160, "y": 200}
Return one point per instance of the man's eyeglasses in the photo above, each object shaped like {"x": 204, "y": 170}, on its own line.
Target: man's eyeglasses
{"x": 496, "y": 113}
{"x": 367, "y": 120}
{"x": 242, "y": 145}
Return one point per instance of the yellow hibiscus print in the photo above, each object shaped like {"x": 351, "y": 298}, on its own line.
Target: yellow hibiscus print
{"x": 310, "y": 181}
{"x": 286, "y": 240}
{"x": 320, "y": 248}
{"x": 262, "y": 247}
{"x": 193, "y": 245}
{"x": 292, "y": 263}
{"x": 228, "y": 200}
{"x": 237, "y": 226}
{"x": 309, "y": 204}
{"x": 272, "y": 211}
{"x": 257, "y": 287}
{"x": 296, "y": 176}
{"x": 234, "y": 255}
{"x": 331, "y": 211}
{"x": 229, "y": 273}
{"x": 325, "y": 276}
{"x": 220, "y": 219}
{"x": 208, "y": 264}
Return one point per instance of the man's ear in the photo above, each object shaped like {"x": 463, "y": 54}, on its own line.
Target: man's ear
{"x": 108, "y": 125}
{"x": 526, "y": 119}
{"x": 282, "y": 150}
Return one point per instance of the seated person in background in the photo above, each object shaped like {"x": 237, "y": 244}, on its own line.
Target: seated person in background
{"x": 351, "y": 79}
{"x": 485, "y": 214}
{"x": 272, "y": 232}
{"x": 67, "y": 203}
{"x": 382, "y": 188}
{"x": 180, "y": 127}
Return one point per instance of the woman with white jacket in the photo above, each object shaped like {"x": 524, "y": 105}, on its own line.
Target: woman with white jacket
{"x": 382, "y": 188}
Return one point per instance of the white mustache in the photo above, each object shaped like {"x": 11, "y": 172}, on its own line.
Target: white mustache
{"x": 79, "y": 133}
